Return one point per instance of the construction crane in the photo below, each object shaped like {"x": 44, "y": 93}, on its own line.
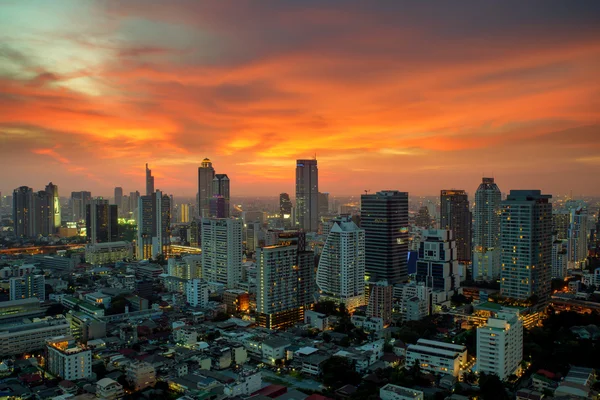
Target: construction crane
{"x": 367, "y": 191}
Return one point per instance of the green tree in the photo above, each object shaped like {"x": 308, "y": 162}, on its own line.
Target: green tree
{"x": 492, "y": 388}
{"x": 339, "y": 371}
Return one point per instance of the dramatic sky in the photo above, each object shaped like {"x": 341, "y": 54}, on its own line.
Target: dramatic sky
{"x": 416, "y": 96}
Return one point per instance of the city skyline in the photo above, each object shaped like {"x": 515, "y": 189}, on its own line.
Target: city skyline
{"x": 388, "y": 96}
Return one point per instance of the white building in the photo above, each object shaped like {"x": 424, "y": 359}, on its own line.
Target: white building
{"x": 187, "y": 267}
{"x": 486, "y": 231}
{"x": 247, "y": 383}
{"x": 108, "y": 389}
{"x": 500, "y": 345}
{"x": 28, "y": 286}
{"x": 413, "y": 301}
{"x": 437, "y": 266}
{"x": 369, "y": 324}
{"x": 341, "y": 271}
{"x": 196, "y": 291}
{"x": 222, "y": 250}
{"x": 99, "y": 299}
{"x": 437, "y": 357}
{"x": 274, "y": 349}
{"x": 578, "y": 235}
{"x": 107, "y": 253}
{"x": 140, "y": 375}
{"x": 316, "y": 320}
{"x": 31, "y": 336}
{"x": 395, "y": 392}
{"x": 559, "y": 258}
{"x": 67, "y": 359}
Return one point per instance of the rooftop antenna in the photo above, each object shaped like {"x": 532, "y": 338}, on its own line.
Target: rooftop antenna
{"x": 367, "y": 191}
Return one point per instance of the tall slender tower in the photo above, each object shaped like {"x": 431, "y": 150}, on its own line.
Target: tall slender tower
{"x": 455, "y": 216}
{"x": 206, "y": 174}
{"x": 577, "y": 234}
{"x": 384, "y": 217}
{"x": 149, "y": 182}
{"x": 101, "y": 221}
{"x": 119, "y": 197}
{"x": 486, "y": 246}
{"x": 23, "y": 212}
{"x": 307, "y": 195}
{"x": 154, "y": 225}
{"x": 526, "y": 240}
{"x": 52, "y": 191}
{"x": 219, "y": 202}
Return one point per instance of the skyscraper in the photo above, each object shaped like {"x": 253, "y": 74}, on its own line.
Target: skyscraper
{"x": 184, "y": 213}
{"x": 285, "y": 273}
{"x": 206, "y": 174}
{"x": 52, "y": 191}
{"x": 500, "y": 345}
{"x": 307, "y": 195}
{"x": 526, "y": 242}
{"x": 341, "y": 272}
{"x": 220, "y": 197}
{"x": 486, "y": 246}
{"x": 134, "y": 199}
{"x": 154, "y": 226}
{"x": 577, "y": 246}
{"x": 222, "y": 250}
{"x": 22, "y": 212}
{"x": 384, "y": 217}
{"x": 323, "y": 204}
{"x": 149, "y": 182}
{"x": 79, "y": 203}
{"x": 437, "y": 264}
{"x": 101, "y": 221}
{"x": 455, "y": 215}
{"x": 119, "y": 198}
{"x": 423, "y": 219}
{"x": 285, "y": 205}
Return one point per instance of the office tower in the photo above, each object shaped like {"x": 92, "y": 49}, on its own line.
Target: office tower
{"x": 414, "y": 301}
{"x": 423, "y": 219}
{"x": 154, "y": 226}
{"x": 500, "y": 345}
{"x": 28, "y": 286}
{"x": 22, "y": 212}
{"x": 149, "y": 181}
{"x": 526, "y": 240}
{"x": 384, "y": 217}
{"x": 79, "y": 203}
{"x": 119, "y": 198}
{"x": 206, "y": 174}
{"x": 52, "y": 191}
{"x": 285, "y": 206}
{"x": 437, "y": 264}
{"x": 222, "y": 250}
{"x": 253, "y": 234}
{"x": 323, "y": 204}
{"x": 285, "y": 273}
{"x": 219, "y": 207}
{"x": 577, "y": 234}
{"x": 341, "y": 271}
{"x": 486, "y": 238}
{"x": 561, "y": 220}
{"x": 101, "y": 222}
{"x": 307, "y": 195}
{"x": 134, "y": 199}
{"x": 455, "y": 215}
{"x": 380, "y": 301}
{"x": 196, "y": 291}
{"x": 559, "y": 258}
{"x": 184, "y": 213}
{"x": 67, "y": 360}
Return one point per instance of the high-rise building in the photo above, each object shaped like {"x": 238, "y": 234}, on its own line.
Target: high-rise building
{"x": 206, "y": 174}
{"x": 559, "y": 258}
{"x": 437, "y": 264}
{"x": 578, "y": 235}
{"x": 119, "y": 198}
{"x": 219, "y": 207}
{"x": 149, "y": 181}
{"x": 134, "y": 199}
{"x": 52, "y": 191}
{"x": 384, "y": 217}
{"x": 68, "y": 360}
{"x": 486, "y": 246}
{"x": 154, "y": 226}
{"x": 101, "y": 221}
{"x": 323, "y": 204}
{"x": 22, "y": 212}
{"x": 28, "y": 286}
{"x": 423, "y": 219}
{"x": 307, "y": 195}
{"x": 500, "y": 345}
{"x": 341, "y": 271}
{"x": 380, "y": 301}
{"x": 79, "y": 203}
{"x": 526, "y": 240}
{"x": 184, "y": 213}
{"x": 560, "y": 223}
{"x": 284, "y": 283}
{"x": 196, "y": 291}
{"x": 285, "y": 206}
{"x": 222, "y": 250}
{"x": 455, "y": 215}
